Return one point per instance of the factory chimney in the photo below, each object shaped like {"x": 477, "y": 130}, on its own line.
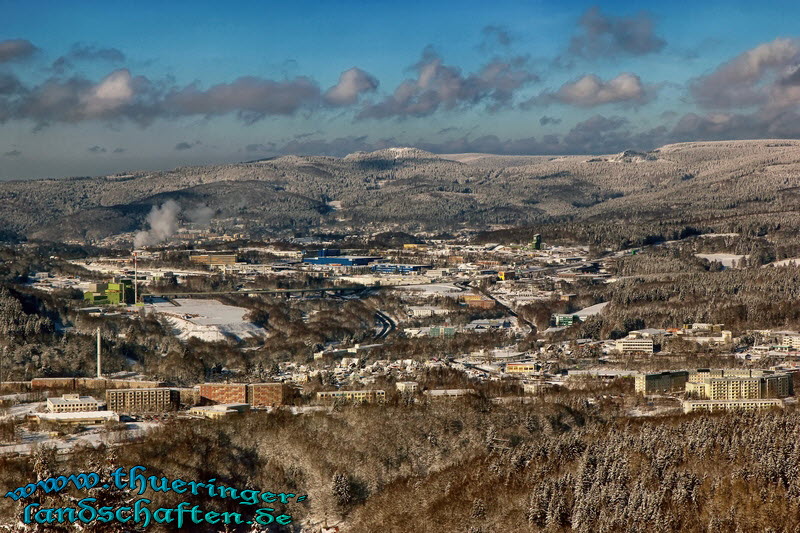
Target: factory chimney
{"x": 99, "y": 367}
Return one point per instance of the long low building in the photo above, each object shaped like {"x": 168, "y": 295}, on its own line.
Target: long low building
{"x": 71, "y": 403}
{"x": 255, "y": 394}
{"x": 85, "y": 418}
{"x": 739, "y": 384}
{"x": 357, "y": 396}
{"x": 691, "y": 406}
{"x": 633, "y": 345}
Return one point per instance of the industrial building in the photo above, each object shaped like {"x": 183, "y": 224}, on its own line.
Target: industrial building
{"x": 213, "y": 259}
{"x": 120, "y": 291}
{"x": 564, "y": 320}
{"x": 142, "y": 400}
{"x": 356, "y": 396}
{"x": 393, "y": 268}
{"x": 661, "y": 382}
{"x": 72, "y": 403}
{"x": 332, "y": 257}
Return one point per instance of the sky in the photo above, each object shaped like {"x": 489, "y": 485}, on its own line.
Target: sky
{"x": 91, "y": 88}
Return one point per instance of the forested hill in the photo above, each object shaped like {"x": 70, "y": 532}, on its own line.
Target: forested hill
{"x": 715, "y": 185}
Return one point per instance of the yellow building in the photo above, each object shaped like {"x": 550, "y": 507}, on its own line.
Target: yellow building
{"x": 521, "y": 368}
{"x": 631, "y": 345}
{"x": 213, "y": 260}
{"x": 733, "y": 384}
{"x": 356, "y": 396}
{"x": 691, "y": 406}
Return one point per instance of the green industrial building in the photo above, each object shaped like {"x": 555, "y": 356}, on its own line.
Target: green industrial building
{"x": 119, "y": 291}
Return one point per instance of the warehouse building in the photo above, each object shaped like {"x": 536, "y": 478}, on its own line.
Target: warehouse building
{"x": 213, "y": 259}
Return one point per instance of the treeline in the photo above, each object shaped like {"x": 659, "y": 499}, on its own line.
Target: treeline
{"x": 480, "y": 467}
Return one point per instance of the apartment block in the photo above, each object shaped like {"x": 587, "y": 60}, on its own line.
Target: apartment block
{"x": 356, "y": 396}
{"x": 691, "y": 406}
{"x": 142, "y": 400}
{"x": 267, "y": 394}
{"x": 661, "y": 382}
{"x": 212, "y": 393}
{"x": 733, "y": 384}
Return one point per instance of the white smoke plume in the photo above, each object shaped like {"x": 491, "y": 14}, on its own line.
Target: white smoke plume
{"x": 200, "y": 215}
{"x": 163, "y": 223}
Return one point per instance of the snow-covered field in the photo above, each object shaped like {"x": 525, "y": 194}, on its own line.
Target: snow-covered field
{"x": 93, "y": 437}
{"x": 725, "y": 259}
{"x": 795, "y": 261}
{"x": 207, "y": 320}
{"x": 595, "y": 309}
{"x": 446, "y": 289}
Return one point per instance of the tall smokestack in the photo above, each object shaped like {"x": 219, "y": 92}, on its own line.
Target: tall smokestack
{"x": 135, "y": 281}
{"x": 99, "y": 367}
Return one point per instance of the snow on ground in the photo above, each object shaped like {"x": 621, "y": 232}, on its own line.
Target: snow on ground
{"x": 93, "y": 436}
{"x": 795, "y": 261}
{"x": 447, "y": 289}
{"x": 207, "y": 320}
{"x": 725, "y": 259}
{"x": 595, "y": 309}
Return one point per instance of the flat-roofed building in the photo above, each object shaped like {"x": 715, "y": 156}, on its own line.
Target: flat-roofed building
{"x": 407, "y": 386}
{"x": 213, "y": 259}
{"x": 536, "y": 387}
{"x": 522, "y": 368}
{"x": 72, "y": 403}
{"x": 690, "y": 406}
{"x": 790, "y": 339}
{"x": 221, "y": 410}
{"x": 78, "y": 418}
{"x": 661, "y": 382}
{"x": 142, "y": 400}
{"x": 211, "y": 393}
{"x": 355, "y": 396}
{"x": 631, "y": 345}
{"x": 740, "y": 383}
{"x": 267, "y": 394}
{"x": 441, "y": 394}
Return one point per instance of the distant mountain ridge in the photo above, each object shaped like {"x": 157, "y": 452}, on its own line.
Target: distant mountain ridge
{"x": 411, "y": 189}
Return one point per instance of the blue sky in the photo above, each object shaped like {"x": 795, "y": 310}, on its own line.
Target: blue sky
{"x": 90, "y": 88}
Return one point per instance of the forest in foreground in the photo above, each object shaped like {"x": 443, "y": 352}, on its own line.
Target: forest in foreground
{"x": 556, "y": 465}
